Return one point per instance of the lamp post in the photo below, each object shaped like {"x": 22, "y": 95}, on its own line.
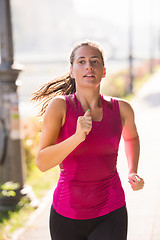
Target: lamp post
{"x": 11, "y": 155}
{"x": 151, "y": 34}
{"x": 130, "y": 35}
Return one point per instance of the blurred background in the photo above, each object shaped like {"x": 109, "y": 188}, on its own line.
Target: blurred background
{"x": 44, "y": 33}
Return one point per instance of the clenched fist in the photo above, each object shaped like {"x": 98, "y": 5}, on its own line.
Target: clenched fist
{"x": 84, "y": 125}
{"x": 135, "y": 181}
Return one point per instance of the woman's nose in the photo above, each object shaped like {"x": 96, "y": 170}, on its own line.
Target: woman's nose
{"x": 89, "y": 65}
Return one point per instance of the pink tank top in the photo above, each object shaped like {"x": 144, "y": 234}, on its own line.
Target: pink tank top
{"x": 89, "y": 185}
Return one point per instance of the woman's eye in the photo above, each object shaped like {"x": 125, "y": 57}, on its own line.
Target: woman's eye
{"x": 95, "y": 61}
{"x": 82, "y": 61}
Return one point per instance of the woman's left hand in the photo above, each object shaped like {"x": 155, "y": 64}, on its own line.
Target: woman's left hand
{"x": 135, "y": 181}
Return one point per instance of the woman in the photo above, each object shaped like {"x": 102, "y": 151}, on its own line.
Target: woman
{"x": 81, "y": 133}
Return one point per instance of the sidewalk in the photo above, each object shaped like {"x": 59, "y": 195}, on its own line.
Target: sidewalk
{"x": 37, "y": 228}
{"x": 143, "y": 206}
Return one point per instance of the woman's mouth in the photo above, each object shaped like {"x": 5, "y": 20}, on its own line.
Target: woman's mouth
{"x": 89, "y": 76}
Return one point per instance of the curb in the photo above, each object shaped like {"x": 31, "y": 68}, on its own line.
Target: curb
{"x": 43, "y": 203}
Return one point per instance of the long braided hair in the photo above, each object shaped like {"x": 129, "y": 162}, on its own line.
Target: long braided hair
{"x": 63, "y": 85}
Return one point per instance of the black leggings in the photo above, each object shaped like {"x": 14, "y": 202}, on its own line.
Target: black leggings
{"x": 112, "y": 226}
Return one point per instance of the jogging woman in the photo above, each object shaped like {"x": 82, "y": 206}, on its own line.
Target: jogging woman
{"x": 81, "y": 133}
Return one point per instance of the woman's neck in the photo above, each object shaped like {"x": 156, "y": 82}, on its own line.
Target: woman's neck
{"x": 89, "y": 99}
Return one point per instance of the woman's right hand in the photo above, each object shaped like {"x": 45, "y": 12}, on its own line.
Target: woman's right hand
{"x": 50, "y": 152}
{"x": 84, "y": 125}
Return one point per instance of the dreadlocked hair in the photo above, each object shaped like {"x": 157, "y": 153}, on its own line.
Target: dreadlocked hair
{"x": 64, "y": 85}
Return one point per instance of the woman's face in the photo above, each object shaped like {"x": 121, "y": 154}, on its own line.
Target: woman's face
{"x": 87, "y": 68}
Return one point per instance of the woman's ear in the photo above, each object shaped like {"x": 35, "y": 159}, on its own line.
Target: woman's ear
{"x": 104, "y": 72}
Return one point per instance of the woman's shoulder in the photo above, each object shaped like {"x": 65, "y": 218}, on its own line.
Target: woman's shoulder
{"x": 57, "y": 102}
{"x": 122, "y": 102}
{"x": 56, "y": 109}
{"x": 111, "y": 98}
{"x": 124, "y": 106}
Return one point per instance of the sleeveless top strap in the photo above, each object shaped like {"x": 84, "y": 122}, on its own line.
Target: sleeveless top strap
{"x": 69, "y": 105}
{"x": 115, "y": 105}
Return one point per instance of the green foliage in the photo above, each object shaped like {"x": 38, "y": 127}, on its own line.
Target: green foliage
{"x": 8, "y": 189}
{"x": 12, "y": 220}
{"x": 41, "y": 182}
{"x": 116, "y": 85}
{"x": 31, "y": 132}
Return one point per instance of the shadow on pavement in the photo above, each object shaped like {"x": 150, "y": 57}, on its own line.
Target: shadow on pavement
{"x": 153, "y": 99}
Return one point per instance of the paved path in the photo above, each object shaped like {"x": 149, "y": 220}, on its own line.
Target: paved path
{"x": 37, "y": 227}
{"x": 143, "y": 206}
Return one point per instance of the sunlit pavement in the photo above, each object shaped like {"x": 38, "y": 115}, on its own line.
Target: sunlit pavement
{"x": 143, "y": 206}
{"x": 37, "y": 228}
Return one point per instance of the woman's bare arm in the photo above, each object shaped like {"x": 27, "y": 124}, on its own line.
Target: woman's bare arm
{"x": 132, "y": 144}
{"x": 49, "y": 153}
